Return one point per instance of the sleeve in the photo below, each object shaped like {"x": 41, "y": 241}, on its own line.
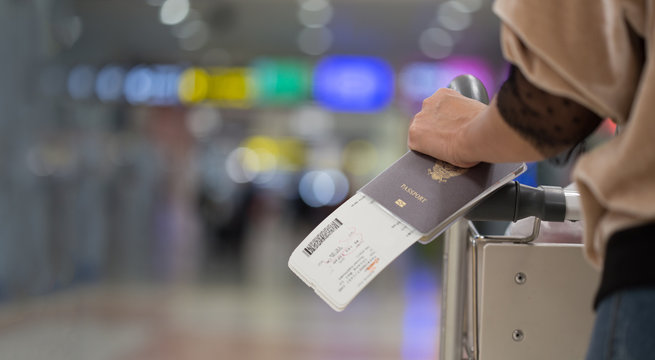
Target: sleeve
{"x": 551, "y": 123}
{"x": 581, "y": 50}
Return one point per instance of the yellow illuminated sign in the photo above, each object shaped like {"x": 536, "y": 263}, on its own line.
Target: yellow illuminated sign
{"x": 292, "y": 153}
{"x": 193, "y": 86}
{"x": 267, "y": 150}
{"x": 230, "y": 87}
{"x": 287, "y": 154}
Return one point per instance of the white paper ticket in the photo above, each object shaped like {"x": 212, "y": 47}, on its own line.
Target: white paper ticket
{"x": 415, "y": 199}
{"x": 349, "y": 248}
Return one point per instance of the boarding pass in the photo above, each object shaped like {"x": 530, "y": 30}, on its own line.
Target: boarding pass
{"x": 415, "y": 199}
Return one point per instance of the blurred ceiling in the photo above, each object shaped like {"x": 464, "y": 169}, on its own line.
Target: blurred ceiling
{"x": 239, "y": 30}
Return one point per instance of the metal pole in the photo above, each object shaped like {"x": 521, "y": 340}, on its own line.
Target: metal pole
{"x": 453, "y": 291}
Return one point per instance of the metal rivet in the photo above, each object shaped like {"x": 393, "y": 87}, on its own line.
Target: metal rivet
{"x": 520, "y": 278}
{"x": 517, "y": 335}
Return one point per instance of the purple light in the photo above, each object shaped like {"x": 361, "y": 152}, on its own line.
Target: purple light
{"x": 455, "y": 66}
{"x": 422, "y": 315}
{"x": 420, "y": 80}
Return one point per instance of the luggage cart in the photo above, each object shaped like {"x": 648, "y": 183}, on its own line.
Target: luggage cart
{"x": 506, "y": 297}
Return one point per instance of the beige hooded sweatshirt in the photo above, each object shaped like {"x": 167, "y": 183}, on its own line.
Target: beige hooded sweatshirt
{"x": 600, "y": 53}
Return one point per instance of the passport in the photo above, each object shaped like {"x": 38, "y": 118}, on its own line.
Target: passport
{"x": 413, "y": 200}
{"x": 430, "y": 194}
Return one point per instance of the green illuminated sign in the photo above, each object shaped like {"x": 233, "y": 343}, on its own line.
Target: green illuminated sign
{"x": 281, "y": 81}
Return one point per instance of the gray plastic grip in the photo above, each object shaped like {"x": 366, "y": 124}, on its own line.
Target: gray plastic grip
{"x": 545, "y": 202}
{"x": 514, "y": 201}
{"x": 498, "y": 206}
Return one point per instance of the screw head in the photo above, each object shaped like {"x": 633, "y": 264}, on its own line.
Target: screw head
{"x": 517, "y": 335}
{"x": 520, "y": 278}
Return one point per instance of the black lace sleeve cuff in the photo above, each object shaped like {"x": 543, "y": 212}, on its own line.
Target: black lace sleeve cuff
{"x": 551, "y": 123}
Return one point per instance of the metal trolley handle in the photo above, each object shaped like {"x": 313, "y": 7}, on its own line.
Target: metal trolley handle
{"x": 511, "y": 202}
{"x": 515, "y": 201}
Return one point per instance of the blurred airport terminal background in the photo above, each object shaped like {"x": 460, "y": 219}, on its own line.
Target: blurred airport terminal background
{"x": 160, "y": 160}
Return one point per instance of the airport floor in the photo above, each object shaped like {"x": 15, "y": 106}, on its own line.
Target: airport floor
{"x": 396, "y": 317}
{"x": 151, "y": 322}
{"x": 261, "y": 312}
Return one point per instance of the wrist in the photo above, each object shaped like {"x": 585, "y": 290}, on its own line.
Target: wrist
{"x": 466, "y": 143}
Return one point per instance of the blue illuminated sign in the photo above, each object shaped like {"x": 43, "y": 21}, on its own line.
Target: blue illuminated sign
{"x": 165, "y": 81}
{"x": 353, "y": 83}
{"x": 420, "y": 80}
{"x": 80, "y": 82}
{"x": 109, "y": 83}
{"x": 138, "y": 85}
{"x": 156, "y": 85}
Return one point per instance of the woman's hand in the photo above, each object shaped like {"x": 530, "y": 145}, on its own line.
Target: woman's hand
{"x": 441, "y": 128}
{"x": 464, "y": 132}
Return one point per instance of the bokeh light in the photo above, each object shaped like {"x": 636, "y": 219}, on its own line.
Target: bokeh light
{"x": 239, "y": 164}
{"x": 292, "y": 154}
{"x": 180, "y": 30}
{"x": 323, "y": 187}
{"x": 353, "y": 83}
{"x": 356, "y": 84}
{"x": 165, "y": 83}
{"x": 67, "y": 30}
{"x": 81, "y": 81}
{"x": 315, "y": 13}
{"x": 203, "y": 121}
{"x": 281, "y": 81}
{"x": 454, "y": 16}
{"x": 138, "y": 85}
{"x": 193, "y": 35}
{"x": 476, "y": 66}
{"x": 267, "y": 151}
{"x": 109, "y": 83}
{"x": 315, "y": 41}
{"x": 312, "y": 122}
{"x": 419, "y": 80}
{"x": 193, "y": 85}
{"x": 436, "y": 43}
{"x": 230, "y": 86}
{"x": 173, "y": 11}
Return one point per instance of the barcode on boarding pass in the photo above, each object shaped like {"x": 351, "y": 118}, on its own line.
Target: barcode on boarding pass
{"x": 322, "y": 236}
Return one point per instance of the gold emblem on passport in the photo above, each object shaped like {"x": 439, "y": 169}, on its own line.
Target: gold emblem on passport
{"x": 442, "y": 171}
{"x": 400, "y": 203}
